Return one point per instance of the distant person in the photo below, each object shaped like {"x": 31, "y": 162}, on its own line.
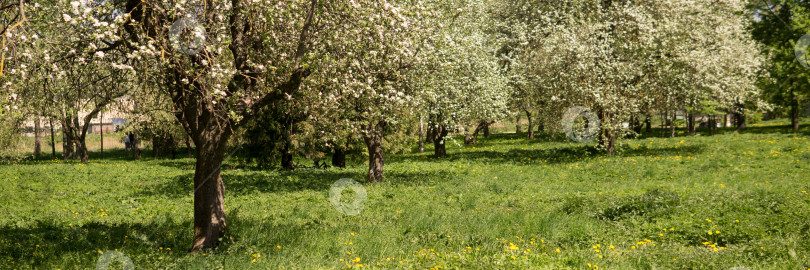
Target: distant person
{"x": 126, "y": 142}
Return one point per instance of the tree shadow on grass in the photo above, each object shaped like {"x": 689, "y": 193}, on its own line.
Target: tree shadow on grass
{"x": 48, "y": 245}
{"x": 554, "y": 155}
{"x": 246, "y": 182}
{"x": 37, "y": 244}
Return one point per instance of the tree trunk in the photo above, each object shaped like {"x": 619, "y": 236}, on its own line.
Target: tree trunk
{"x": 421, "y": 137}
{"x": 531, "y": 125}
{"x": 637, "y": 124}
{"x": 81, "y": 150}
{"x": 136, "y": 150}
{"x": 287, "y": 158}
{"x": 672, "y": 124}
{"x": 486, "y": 129}
{"x": 518, "y": 127}
{"x": 691, "y": 125}
{"x": 68, "y": 149}
{"x": 189, "y": 153}
{"x": 339, "y": 158}
{"x": 101, "y": 133}
{"x": 155, "y": 146}
{"x": 648, "y": 121}
{"x": 473, "y": 139}
{"x": 53, "y": 139}
{"x": 37, "y": 140}
{"x": 430, "y": 133}
{"x": 209, "y": 191}
{"x": 607, "y": 138}
{"x": 172, "y": 146}
{"x": 376, "y": 158}
{"x": 439, "y": 133}
{"x": 794, "y": 113}
{"x": 741, "y": 125}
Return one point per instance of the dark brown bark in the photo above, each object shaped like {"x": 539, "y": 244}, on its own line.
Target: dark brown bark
{"x": 740, "y": 117}
{"x": 209, "y": 190}
{"x": 37, "y": 140}
{"x": 287, "y": 161}
{"x": 421, "y": 136}
{"x": 518, "y": 127}
{"x": 339, "y": 158}
{"x": 648, "y": 121}
{"x": 53, "y": 139}
{"x": 439, "y": 133}
{"x": 691, "y": 124}
{"x": 155, "y": 146}
{"x": 486, "y": 129}
{"x": 172, "y": 146}
{"x": 531, "y": 125}
{"x": 637, "y": 124}
{"x": 206, "y": 122}
{"x": 68, "y": 147}
{"x": 794, "y": 113}
{"x": 135, "y": 144}
{"x": 376, "y": 157}
{"x": 430, "y": 134}
{"x": 473, "y": 139}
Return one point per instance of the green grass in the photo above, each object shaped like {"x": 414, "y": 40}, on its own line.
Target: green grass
{"x": 506, "y": 203}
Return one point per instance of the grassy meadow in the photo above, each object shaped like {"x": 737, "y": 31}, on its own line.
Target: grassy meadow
{"x": 705, "y": 202}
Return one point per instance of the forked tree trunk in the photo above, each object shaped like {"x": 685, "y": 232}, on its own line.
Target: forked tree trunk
{"x": 376, "y": 157}
{"x": 209, "y": 190}
{"x": 37, "y": 140}
{"x": 473, "y": 139}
